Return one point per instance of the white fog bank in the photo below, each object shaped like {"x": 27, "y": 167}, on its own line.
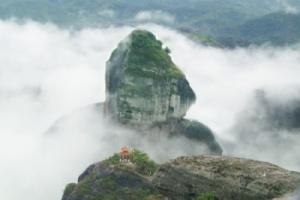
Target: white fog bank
{"x": 47, "y": 72}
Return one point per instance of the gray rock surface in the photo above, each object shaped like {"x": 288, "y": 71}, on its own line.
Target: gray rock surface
{"x": 185, "y": 178}
{"x": 227, "y": 177}
{"x": 143, "y": 85}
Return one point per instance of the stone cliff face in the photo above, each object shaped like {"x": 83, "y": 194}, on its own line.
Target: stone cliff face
{"x": 145, "y": 89}
{"x": 185, "y": 178}
{"x": 143, "y": 85}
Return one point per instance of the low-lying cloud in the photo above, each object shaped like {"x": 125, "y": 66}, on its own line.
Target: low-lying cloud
{"x": 107, "y": 13}
{"x": 154, "y": 16}
{"x": 288, "y": 7}
{"x": 47, "y": 72}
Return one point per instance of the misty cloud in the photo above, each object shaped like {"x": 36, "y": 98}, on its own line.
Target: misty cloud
{"x": 287, "y": 7}
{"x": 106, "y": 13}
{"x": 154, "y": 16}
{"x": 47, "y": 72}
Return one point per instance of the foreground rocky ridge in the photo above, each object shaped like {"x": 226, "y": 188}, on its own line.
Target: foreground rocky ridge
{"x": 227, "y": 177}
{"x": 184, "y": 178}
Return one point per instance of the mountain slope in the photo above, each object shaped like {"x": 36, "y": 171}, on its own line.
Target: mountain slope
{"x": 277, "y": 28}
{"x": 229, "y": 23}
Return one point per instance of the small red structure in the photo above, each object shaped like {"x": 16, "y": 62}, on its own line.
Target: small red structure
{"x": 124, "y": 154}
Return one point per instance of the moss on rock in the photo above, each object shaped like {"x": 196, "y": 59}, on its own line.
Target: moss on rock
{"x": 112, "y": 180}
{"x": 143, "y": 85}
{"x": 207, "y": 196}
{"x": 147, "y": 58}
{"x": 142, "y": 164}
{"x": 69, "y": 189}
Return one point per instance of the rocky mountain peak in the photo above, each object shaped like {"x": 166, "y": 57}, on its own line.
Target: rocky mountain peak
{"x": 143, "y": 85}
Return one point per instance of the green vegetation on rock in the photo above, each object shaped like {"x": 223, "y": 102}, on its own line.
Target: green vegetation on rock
{"x": 206, "y": 196}
{"x": 141, "y": 161}
{"x": 144, "y": 164}
{"x": 148, "y": 59}
{"x": 113, "y": 160}
{"x": 197, "y": 131}
{"x": 113, "y": 180}
{"x": 143, "y": 85}
{"x": 113, "y": 186}
{"x": 205, "y": 40}
{"x": 69, "y": 189}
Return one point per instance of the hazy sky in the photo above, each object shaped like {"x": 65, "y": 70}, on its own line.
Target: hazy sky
{"x": 47, "y": 72}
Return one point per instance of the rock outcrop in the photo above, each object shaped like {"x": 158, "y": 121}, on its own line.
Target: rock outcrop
{"x": 112, "y": 180}
{"x": 143, "y": 85}
{"x": 228, "y": 178}
{"x": 185, "y": 178}
{"x": 145, "y": 89}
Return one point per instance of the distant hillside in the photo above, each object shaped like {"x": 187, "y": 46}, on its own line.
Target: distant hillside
{"x": 191, "y": 14}
{"x": 278, "y": 28}
{"x": 226, "y": 23}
